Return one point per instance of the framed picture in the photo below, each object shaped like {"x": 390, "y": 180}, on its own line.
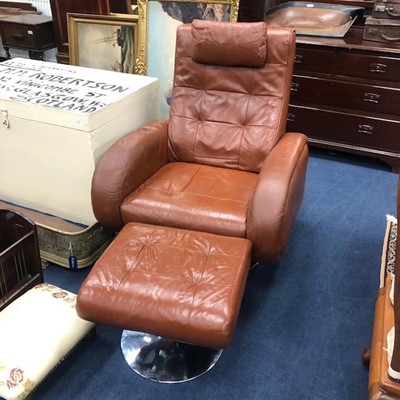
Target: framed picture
{"x": 103, "y": 41}
{"x": 157, "y": 24}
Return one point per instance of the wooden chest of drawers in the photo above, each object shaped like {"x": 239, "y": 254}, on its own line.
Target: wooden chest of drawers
{"x": 346, "y": 95}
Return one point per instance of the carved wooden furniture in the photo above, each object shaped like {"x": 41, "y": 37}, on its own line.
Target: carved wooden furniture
{"x": 31, "y": 32}
{"x": 20, "y": 267}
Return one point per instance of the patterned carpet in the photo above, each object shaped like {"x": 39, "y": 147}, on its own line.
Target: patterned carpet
{"x": 389, "y": 249}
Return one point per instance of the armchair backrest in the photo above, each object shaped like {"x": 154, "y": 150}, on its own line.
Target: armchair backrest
{"x": 230, "y": 93}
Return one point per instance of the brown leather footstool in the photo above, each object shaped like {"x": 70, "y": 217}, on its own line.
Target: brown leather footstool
{"x": 178, "y": 284}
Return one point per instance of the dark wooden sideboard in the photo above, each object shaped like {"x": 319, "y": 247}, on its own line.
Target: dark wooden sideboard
{"x": 346, "y": 95}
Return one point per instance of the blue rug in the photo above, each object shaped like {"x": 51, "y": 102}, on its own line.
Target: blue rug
{"x": 303, "y": 323}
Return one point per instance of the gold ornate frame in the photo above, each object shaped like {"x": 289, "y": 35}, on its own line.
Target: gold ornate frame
{"x": 144, "y": 19}
{"x": 99, "y": 26}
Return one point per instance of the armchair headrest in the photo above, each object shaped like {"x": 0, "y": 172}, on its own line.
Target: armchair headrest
{"x": 242, "y": 44}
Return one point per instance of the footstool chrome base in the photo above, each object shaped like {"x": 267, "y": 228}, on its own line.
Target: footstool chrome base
{"x": 164, "y": 360}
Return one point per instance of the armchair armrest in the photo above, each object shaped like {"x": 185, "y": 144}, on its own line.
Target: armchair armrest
{"x": 124, "y": 167}
{"x": 281, "y": 181}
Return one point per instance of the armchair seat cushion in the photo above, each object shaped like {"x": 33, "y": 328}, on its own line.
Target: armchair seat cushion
{"x": 193, "y": 196}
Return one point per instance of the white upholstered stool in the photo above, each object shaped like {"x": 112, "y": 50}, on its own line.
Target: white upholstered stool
{"x": 37, "y": 331}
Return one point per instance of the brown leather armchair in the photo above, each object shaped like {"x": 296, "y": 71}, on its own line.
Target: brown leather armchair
{"x": 222, "y": 163}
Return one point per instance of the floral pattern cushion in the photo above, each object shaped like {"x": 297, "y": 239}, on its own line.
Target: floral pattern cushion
{"x": 37, "y": 331}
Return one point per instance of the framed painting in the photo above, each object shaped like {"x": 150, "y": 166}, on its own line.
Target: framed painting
{"x": 157, "y": 24}
{"x": 103, "y": 41}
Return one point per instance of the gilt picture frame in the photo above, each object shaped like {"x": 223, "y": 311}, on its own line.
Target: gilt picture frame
{"x": 157, "y": 24}
{"x": 106, "y": 42}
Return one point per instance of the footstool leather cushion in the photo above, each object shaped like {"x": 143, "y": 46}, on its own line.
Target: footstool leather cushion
{"x": 179, "y": 284}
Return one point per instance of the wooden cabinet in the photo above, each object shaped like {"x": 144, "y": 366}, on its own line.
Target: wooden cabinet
{"x": 345, "y": 95}
{"x": 31, "y": 32}
{"x": 254, "y": 10}
{"x": 59, "y": 10}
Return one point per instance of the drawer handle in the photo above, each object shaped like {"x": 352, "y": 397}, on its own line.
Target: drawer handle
{"x": 294, "y": 87}
{"x": 371, "y": 98}
{"x": 18, "y": 37}
{"x": 376, "y": 67}
{"x": 291, "y": 117}
{"x": 389, "y": 38}
{"x": 365, "y": 129}
{"x": 392, "y": 13}
{"x": 298, "y": 58}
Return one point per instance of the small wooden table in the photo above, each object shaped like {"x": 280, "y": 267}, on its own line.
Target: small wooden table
{"x": 31, "y": 32}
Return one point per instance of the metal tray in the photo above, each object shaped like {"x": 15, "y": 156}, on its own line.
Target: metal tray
{"x": 64, "y": 243}
{"x": 314, "y": 19}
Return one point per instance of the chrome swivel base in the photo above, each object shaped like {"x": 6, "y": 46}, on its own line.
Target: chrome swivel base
{"x": 164, "y": 360}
